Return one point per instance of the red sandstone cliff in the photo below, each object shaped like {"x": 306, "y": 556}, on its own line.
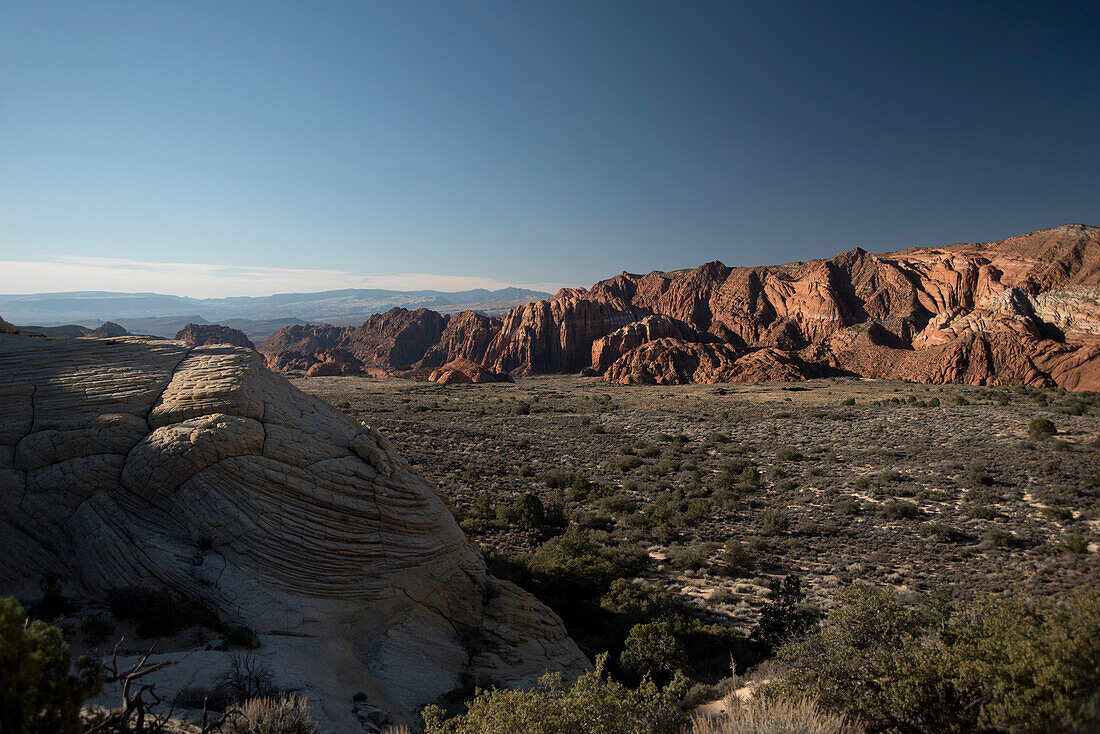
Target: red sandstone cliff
{"x": 398, "y": 338}
{"x": 1025, "y": 310}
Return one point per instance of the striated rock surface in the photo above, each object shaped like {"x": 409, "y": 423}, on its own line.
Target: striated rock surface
{"x": 6, "y": 328}
{"x": 1022, "y": 310}
{"x": 464, "y": 371}
{"x": 200, "y": 335}
{"x": 194, "y": 469}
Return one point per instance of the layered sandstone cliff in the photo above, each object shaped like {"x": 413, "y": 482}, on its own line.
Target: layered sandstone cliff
{"x": 134, "y": 462}
{"x": 1025, "y": 310}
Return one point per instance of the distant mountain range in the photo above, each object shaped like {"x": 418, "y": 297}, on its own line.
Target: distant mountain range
{"x": 257, "y": 316}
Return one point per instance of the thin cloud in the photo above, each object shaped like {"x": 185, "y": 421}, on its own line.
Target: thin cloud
{"x": 199, "y": 280}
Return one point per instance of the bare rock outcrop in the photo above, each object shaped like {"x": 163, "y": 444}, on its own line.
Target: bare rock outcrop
{"x": 468, "y": 334}
{"x": 109, "y": 329}
{"x": 464, "y": 371}
{"x": 398, "y": 338}
{"x": 608, "y": 349}
{"x": 1022, "y": 309}
{"x": 200, "y": 335}
{"x": 675, "y": 362}
{"x": 195, "y": 469}
{"x": 6, "y": 328}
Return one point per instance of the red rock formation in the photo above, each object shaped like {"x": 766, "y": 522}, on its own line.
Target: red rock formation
{"x": 556, "y": 335}
{"x": 1025, "y": 310}
{"x": 468, "y": 333}
{"x": 608, "y": 349}
{"x": 463, "y": 371}
{"x": 199, "y": 335}
{"x": 397, "y": 338}
{"x": 675, "y": 362}
{"x": 333, "y": 369}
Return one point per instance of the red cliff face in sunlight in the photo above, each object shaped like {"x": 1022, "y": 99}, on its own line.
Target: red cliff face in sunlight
{"x": 1025, "y": 310}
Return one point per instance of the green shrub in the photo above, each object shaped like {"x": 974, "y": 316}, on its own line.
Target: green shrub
{"x": 783, "y": 618}
{"x": 284, "y": 715}
{"x": 980, "y": 478}
{"x": 774, "y": 522}
{"x": 997, "y": 538}
{"x": 624, "y": 464}
{"x": 527, "y": 513}
{"x": 559, "y": 479}
{"x": 97, "y": 629}
{"x": 159, "y": 613}
{"x": 849, "y": 507}
{"x": 1075, "y": 543}
{"x": 788, "y": 454}
{"x": 739, "y": 561}
{"x": 900, "y": 511}
{"x": 980, "y": 496}
{"x": 738, "y": 473}
{"x": 692, "y": 556}
{"x": 981, "y": 512}
{"x": 942, "y": 532}
{"x": 38, "y": 692}
{"x": 652, "y": 650}
{"x": 593, "y": 704}
{"x": 1041, "y": 427}
{"x": 991, "y": 665}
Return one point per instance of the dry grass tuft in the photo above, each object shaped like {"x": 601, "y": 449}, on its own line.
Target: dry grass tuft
{"x": 772, "y": 716}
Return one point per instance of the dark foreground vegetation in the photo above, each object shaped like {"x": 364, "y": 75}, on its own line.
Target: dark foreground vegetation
{"x": 873, "y": 663}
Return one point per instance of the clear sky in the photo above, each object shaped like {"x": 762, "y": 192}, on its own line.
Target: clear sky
{"x": 298, "y": 146}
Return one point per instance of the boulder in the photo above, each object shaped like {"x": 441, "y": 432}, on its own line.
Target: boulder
{"x": 138, "y": 462}
{"x": 464, "y": 371}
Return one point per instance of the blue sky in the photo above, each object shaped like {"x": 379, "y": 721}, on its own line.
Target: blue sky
{"x": 168, "y": 145}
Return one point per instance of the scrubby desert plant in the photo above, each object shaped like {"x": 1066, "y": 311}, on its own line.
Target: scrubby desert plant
{"x": 527, "y": 513}
{"x": 248, "y": 678}
{"x": 772, "y": 716}
{"x": 900, "y": 510}
{"x": 996, "y": 664}
{"x": 774, "y": 522}
{"x": 652, "y": 650}
{"x": 738, "y": 559}
{"x": 284, "y": 715}
{"x": 1075, "y": 543}
{"x": 1041, "y": 427}
{"x": 593, "y": 704}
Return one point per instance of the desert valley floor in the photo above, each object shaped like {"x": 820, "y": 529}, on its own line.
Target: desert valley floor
{"x": 914, "y": 486}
